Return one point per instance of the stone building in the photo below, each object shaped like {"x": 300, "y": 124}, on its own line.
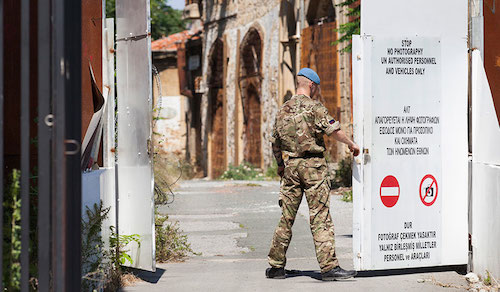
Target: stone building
{"x": 171, "y": 106}
{"x": 251, "y": 53}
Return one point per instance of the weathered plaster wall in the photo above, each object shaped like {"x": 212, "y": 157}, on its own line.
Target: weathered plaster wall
{"x": 171, "y": 128}
{"x": 170, "y": 82}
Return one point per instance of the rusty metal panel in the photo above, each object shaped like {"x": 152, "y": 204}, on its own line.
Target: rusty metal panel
{"x": 91, "y": 53}
{"x": 319, "y": 52}
{"x": 492, "y": 49}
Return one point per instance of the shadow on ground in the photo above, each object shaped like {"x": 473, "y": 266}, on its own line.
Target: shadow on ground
{"x": 308, "y": 273}
{"x": 460, "y": 269}
{"x": 150, "y": 277}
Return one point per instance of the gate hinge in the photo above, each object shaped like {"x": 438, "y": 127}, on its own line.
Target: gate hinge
{"x": 49, "y": 120}
{"x": 75, "y": 143}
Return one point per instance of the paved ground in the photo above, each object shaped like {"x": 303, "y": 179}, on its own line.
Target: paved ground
{"x": 232, "y": 223}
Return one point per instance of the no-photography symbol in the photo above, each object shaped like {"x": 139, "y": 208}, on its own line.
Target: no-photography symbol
{"x": 428, "y": 190}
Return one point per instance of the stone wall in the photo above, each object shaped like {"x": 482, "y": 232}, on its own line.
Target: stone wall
{"x": 230, "y": 21}
{"x": 241, "y": 16}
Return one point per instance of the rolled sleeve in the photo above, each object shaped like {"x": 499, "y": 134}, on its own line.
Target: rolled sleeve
{"x": 324, "y": 122}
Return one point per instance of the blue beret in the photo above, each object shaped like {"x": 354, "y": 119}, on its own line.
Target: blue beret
{"x": 309, "y": 74}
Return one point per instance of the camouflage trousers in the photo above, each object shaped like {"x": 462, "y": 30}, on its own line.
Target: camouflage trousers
{"x": 308, "y": 176}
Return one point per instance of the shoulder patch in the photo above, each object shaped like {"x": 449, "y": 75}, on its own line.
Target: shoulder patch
{"x": 332, "y": 121}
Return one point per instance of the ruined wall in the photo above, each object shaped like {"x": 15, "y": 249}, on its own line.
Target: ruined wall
{"x": 225, "y": 24}
{"x": 170, "y": 127}
{"x": 170, "y": 82}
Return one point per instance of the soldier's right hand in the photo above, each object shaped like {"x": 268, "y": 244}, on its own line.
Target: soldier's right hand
{"x": 354, "y": 149}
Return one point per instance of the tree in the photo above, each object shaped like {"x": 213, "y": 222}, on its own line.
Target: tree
{"x": 353, "y": 26}
{"x": 165, "y": 20}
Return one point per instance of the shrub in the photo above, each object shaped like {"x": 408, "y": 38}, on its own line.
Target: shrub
{"x": 101, "y": 265}
{"x": 12, "y": 233}
{"x": 343, "y": 174}
{"x": 272, "y": 171}
{"x": 244, "y": 171}
{"x": 347, "y": 196}
{"x": 170, "y": 243}
{"x": 168, "y": 170}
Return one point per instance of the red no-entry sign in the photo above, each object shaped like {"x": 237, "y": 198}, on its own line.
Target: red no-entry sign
{"x": 389, "y": 191}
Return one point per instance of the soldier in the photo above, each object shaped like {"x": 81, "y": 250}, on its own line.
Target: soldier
{"x": 298, "y": 135}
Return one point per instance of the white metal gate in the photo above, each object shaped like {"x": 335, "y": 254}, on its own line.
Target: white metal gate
{"x": 410, "y": 118}
{"x": 134, "y": 101}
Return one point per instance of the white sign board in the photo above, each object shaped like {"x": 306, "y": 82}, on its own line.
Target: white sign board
{"x": 410, "y": 119}
{"x": 406, "y": 152}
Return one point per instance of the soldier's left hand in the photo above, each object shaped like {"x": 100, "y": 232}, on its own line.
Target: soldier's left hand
{"x": 281, "y": 170}
{"x": 354, "y": 149}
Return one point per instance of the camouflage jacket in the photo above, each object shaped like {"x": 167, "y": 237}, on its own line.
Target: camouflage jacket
{"x": 300, "y": 125}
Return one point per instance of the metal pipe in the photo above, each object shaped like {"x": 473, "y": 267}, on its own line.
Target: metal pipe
{"x": 1, "y": 144}
{"x": 25, "y": 143}
{"x": 58, "y": 170}
{"x": 71, "y": 104}
{"x": 44, "y": 149}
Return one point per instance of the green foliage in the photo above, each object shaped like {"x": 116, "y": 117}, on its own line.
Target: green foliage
{"x": 343, "y": 174}
{"x": 110, "y": 9}
{"x": 347, "y": 196}
{"x": 12, "y": 233}
{"x": 351, "y": 27}
{"x": 487, "y": 280}
{"x": 94, "y": 269}
{"x": 121, "y": 241}
{"x": 101, "y": 264}
{"x": 171, "y": 244}
{"x": 244, "y": 171}
{"x": 164, "y": 19}
{"x": 272, "y": 171}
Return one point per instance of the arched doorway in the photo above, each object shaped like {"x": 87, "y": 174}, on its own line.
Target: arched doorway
{"x": 216, "y": 119}
{"x": 250, "y": 85}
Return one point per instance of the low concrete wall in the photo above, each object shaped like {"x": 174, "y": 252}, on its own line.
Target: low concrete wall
{"x": 91, "y": 190}
{"x": 97, "y": 186}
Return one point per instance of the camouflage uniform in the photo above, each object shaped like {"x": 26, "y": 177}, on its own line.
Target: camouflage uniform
{"x": 298, "y": 130}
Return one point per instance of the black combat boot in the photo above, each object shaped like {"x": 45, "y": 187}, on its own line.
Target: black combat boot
{"x": 275, "y": 273}
{"x": 337, "y": 274}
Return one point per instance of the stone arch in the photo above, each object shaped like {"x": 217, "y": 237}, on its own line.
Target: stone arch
{"x": 216, "y": 118}
{"x": 320, "y": 11}
{"x": 251, "y": 52}
{"x": 250, "y": 85}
